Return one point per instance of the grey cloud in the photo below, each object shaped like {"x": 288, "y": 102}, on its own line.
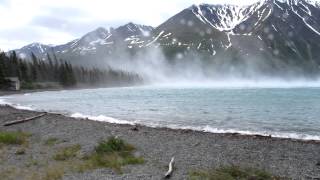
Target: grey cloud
{"x": 21, "y": 34}
{"x": 66, "y": 20}
{"x": 49, "y": 22}
{"x": 66, "y": 25}
{"x": 69, "y": 20}
{"x": 66, "y": 12}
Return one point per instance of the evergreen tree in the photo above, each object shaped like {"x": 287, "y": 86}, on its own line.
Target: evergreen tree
{"x": 34, "y": 67}
{"x": 62, "y": 72}
{"x": 2, "y": 73}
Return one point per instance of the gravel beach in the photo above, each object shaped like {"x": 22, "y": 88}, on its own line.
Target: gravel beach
{"x": 192, "y": 150}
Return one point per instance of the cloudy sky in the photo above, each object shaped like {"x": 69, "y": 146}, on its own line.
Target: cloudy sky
{"x": 59, "y": 21}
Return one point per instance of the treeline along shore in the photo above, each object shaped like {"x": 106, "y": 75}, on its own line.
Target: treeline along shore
{"x": 54, "y": 72}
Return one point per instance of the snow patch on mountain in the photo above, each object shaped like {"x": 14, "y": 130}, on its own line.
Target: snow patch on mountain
{"x": 224, "y": 17}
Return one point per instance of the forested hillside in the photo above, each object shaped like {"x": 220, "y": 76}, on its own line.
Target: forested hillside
{"x": 37, "y": 73}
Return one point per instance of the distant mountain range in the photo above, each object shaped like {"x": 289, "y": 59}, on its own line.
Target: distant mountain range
{"x": 91, "y": 44}
{"x": 282, "y": 33}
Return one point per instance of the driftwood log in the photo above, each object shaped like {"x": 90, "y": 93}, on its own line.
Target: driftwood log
{"x": 24, "y": 120}
{"x": 168, "y": 174}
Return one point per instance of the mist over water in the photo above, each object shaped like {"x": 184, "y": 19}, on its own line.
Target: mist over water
{"x": 247, "y": 95}
{"x": 189, "y": 91}
{"x": 190, "y": 68}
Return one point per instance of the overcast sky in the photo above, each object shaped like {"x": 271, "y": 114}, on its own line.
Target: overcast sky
{"x": 60, "y": 21}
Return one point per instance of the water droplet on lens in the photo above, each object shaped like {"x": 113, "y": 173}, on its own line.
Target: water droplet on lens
{"x": 190, "y": 23}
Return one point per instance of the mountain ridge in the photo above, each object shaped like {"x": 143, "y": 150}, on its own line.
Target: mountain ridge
{"x": 99, "y": 36}
{"x": 277, "y": 32}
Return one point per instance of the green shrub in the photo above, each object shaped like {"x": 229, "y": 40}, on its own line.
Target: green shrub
{"x": 50, "y": 141}
{"x": 67, "y": 153}
{"x": 113, "y": 153}
{"x": 15, "y": 138}
{"x": 113, "y": 145}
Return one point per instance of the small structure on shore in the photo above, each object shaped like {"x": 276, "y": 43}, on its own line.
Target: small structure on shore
{"x": 13, "y": 83}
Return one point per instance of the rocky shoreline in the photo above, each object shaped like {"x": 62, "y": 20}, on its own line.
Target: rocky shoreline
{"x": 192, "y": 150}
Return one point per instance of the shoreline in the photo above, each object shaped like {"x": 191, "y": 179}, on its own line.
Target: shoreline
{"x": 111, "y": 120}
{"x": 285, "y": 157}
{"x": 295, "y": 159}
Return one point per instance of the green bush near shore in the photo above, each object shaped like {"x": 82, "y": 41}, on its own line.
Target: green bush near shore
{"x": 51, "y": 141}
{"x": 113, "y": 145}
{"x": 67, "y": 153}
{"x": 232, "y": 173}
{"x": 113, "y": 153}
{"x": 13, "y": 138}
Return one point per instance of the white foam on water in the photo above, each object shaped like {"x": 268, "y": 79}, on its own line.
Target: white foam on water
{"x": 16, "y": 106}
{"x": 209, "y": 129}
{"x": 2, "y": 102}
{"x": 242, "y": 132}
{"x": 23, "y": 107}
{"x": 101, "y": 118}
{"x": 213, "y": 130}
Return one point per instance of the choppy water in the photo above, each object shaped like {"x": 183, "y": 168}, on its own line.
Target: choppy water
{"x": 281, "y": 112}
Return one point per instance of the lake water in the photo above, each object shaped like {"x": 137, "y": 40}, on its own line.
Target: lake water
{"x": 280, "y": 112}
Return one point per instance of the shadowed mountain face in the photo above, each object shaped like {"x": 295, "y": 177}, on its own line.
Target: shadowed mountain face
{"x": 270, "y": 36}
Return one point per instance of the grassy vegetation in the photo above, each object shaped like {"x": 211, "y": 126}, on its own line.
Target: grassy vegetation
{"x": 232, "y": 173}
{"x": 54, "y": 173}
{"x": 67, "y": 153}
{"x": 113, "y": 153}
{"x": 51, "y": 141}
{"x": 13, "y": 138}
{"x": 113, "y": 145}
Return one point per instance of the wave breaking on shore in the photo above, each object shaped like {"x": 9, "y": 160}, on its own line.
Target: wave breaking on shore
{"x": 101, "y": 118}
{"x": 207, "y": 128}
{"x": 3, "y": 102}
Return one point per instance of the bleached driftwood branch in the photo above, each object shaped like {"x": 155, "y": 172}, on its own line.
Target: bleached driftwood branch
{"x": 168, "y": 174}
{"x": 24, "y": 120}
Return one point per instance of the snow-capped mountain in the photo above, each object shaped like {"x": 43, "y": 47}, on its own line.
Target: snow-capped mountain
{"x": 99, "y": 41}
{"x": 36, "y": 48}
{"x": 286, "y": 31}
{"x": 132, "y": 29}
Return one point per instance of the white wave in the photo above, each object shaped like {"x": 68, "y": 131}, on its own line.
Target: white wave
{"x": 23, "y": 107}
{"x": 210, "y": 129}
{"x": 242, "y": 132}
{"x": 3, "y": 102}
{"x": 16, "y": 106}
{"x": 101, "y": 118}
